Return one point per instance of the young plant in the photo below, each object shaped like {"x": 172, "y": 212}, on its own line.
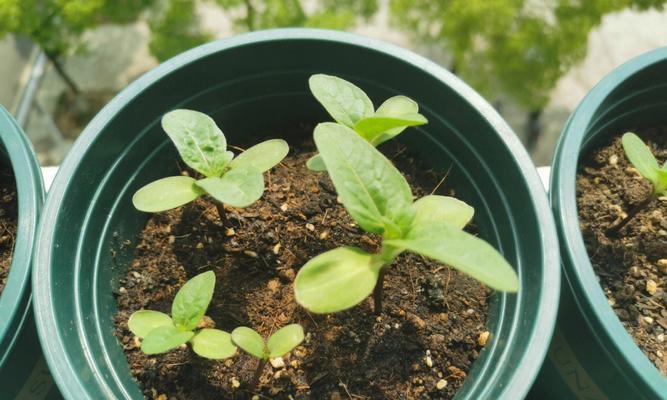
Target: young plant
{"x": 350, "y": 106}
{"x": 280, "y": 343}
{"x": 639, "y": 154}
{"x": 202, "y": 146}
{"x": 161, "y": 333}
{"x": 379, "y": 199}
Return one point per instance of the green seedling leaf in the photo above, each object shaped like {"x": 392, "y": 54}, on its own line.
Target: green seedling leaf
{"x": 166, "y": 193}
{"x": 192, "y": 300}
{"x": 142, "y": 322}
{"x": 284, "y": 340}
{"x": 240, "y": 187}
{"x": 345, "y": 102}
{"x": 640, "y": 156}
{"x": 377, "y": 129}
{"x": 214, "y": 344}
{"x": 336, "y": 280}
{"x": 373, "y": 191}
{"x": 250, "y": 341}
{"x": 315, "y": 163}
{"x": 397, "y": 105}
{"x": 199, "y": 141}
{"x": 262, "y": 156}
{"x": 442, "y": 209}
{"x": 462, "y": 251}
{"x": 164, "y": 338}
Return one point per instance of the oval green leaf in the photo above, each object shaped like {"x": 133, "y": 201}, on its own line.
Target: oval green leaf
{"x": 397, "y": 105}
{"x": 142, "y": 322}
{"x": 463, "y": 251}
{"x": 262, "y": 156}
{"x": 239, "y": 187}
{"x": 250, "y": 341}
{"x": 640, "y": 156}
{"x": 336, "y": 280}
{"x": 344, "y": 101}
{"x": 165, "y": 194}
{"x": 315, "y": 163}
{"x": 199, "y": 141}
{"x": 442, "y": 209}
{"x": 284, "y": 340}
{"x": 164, "y": 338}
{"x": 376, "y": 129}
{"x": 214, "y": 344}
{"x": 192, "y": 300}
{"x": 373, "y": 191}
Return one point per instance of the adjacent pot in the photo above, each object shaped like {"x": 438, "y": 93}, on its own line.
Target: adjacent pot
{"x": 257, "y": 83}
{"x": 592, "y": 356}
{"x": 22, "y": 371}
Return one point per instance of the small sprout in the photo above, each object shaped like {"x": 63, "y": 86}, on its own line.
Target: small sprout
{"x": 379, "y": 199}
{"x": 161, "y": 333}
{"x": 280, "y": 343}
{"x": 202, "y": 146}
{"x": 639, "y": 154}
{"x": 350, "y": 106}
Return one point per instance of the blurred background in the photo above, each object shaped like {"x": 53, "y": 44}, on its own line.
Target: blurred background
{"x": 534, "y": 60}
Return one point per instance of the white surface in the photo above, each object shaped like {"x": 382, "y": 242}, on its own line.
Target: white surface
{"x": 545, "y": 173}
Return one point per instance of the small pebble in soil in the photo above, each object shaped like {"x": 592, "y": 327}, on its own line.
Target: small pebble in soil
{"x": 250, "y": 253}
{"x": 235, "y": 383}
{"x": 277, "y": 362}
{"x": 230, "y": 232}
{"x": 651, "y": 287}
{"x": 310, "y": 227}
{"x": 428, "y": 360}
{"x": 324, "y": 235}
{"x": 276, "y": 249}
{"x": 441, "y": 384}
{"x": 483, "y": 338}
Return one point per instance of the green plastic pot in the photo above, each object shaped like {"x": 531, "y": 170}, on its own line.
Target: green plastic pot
{"x": 592, "y": 356}
{"x": 257, "y": 84}
{"x": 22, "y": 370}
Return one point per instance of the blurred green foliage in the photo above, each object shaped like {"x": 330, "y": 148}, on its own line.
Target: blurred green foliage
{"x": 516, "y": 47}
{"x": 175, "y": 28}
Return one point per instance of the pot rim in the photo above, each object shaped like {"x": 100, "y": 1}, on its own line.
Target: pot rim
{"x": 16, "y": 296}
{"x": 577, "y": 268}
{"x": 543, "y": 327}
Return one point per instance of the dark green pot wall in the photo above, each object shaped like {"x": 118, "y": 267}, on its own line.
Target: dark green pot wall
{"x": 21, "y": 372}
{"x": 256, "y": 84}
{"x": 592, "y": 355}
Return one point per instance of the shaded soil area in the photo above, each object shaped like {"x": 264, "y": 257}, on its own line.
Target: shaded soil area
{"x": 631, "y": 265}
{"x": 8, "y": 220}
{"x": 429, "y": 331}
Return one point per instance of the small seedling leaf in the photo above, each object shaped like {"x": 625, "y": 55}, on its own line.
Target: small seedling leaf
{"x": 192, "y": 300}
{"x": 214, "y": 344}
{"x": 164, "y": 338}
{"x": 262, "y": 156}
{"x": 462, "y": 251}
{"x": 316, "y": 163}
{"x": 397, "y": 105}
{"x": 442, "y": 209}
{"x": 336, "y": 280}
{"x": 250, "y": 341}
{"x": 373, "y": 191}
{"x": 344, "y": 101}
{"x": 284, "y": 340}
{"x": 199, "y": 141}
{"x": 640, "y": 156}
{"x": 376, "y": 129}
{"x": 142, "y": 322}
{"x": 165, "y": 194}
{"x": 240, "y": 187}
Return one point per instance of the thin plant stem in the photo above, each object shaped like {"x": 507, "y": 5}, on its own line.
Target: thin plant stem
{"x": 615, "y": 229}
{"x": 377, "y": 293}
{"x": 221, "y": 213}
{"x": 258, "y": 373}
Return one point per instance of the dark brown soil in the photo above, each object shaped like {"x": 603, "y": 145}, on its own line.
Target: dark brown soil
{"x": 8, "y": 218}
{"x": 433, "y": 316}
{"x": 631, "y": 265}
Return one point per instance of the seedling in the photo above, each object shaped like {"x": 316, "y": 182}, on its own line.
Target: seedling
{"x": 379, "y": 199}
{"x": 161, "y": 333}
{"x": 237, "y": 182}
{"x": 280, "y": 343}
{"x": 646, "y": 164}
{"x": 350, "y": 106}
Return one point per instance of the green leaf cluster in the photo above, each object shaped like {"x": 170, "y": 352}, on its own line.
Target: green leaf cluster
{"x": 379, "y": 199}
{"x": 237, "y": 181}
{"x": 350, "y": 106}
{"x": 645, "y": 162}
{"x": 279, "y": 343}
{"x": 160, "y": 332}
